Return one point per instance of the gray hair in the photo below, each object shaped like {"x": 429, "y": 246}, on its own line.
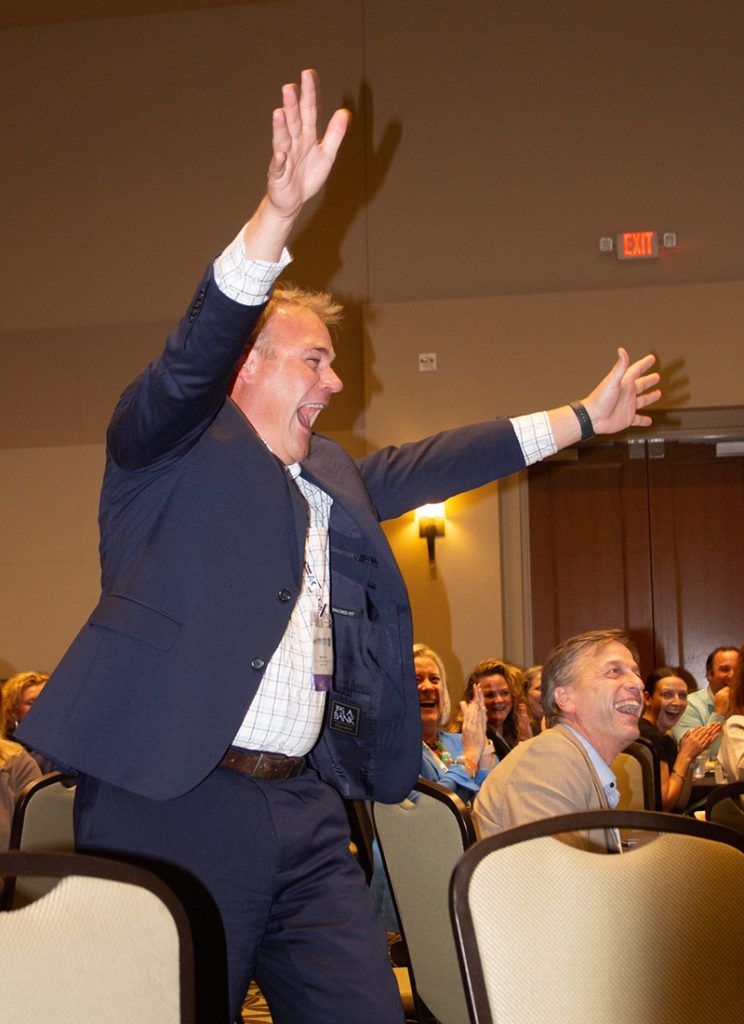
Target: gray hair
{"x": 560, "y": 667}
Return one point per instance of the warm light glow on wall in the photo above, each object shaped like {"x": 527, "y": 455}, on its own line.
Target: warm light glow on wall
{"x": 431, "y": 520}
{"x": 430, "y": 512}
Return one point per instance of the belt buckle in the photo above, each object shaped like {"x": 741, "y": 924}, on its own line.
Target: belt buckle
{"x": 269, "y": 766}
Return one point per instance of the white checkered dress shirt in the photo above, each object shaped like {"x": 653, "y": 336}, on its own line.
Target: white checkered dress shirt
{"x": 535, "y": 436}
{"x": 286, "y": 714}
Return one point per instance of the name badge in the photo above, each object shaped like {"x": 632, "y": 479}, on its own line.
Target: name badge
{"x": 322, "y": 654}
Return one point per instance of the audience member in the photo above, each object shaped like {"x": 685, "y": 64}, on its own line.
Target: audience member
{"x": 459, "y": 761}
{"x": 731, "y": 753}
{"x": 17, "y": 769}
{"x": 592, "y": 696}
{"x": 666, "y": 700}
{"x": 500, "y": 685}
{"x": 530, "y": 711}
{"x": 722, "y": 668}
{"x": 18, "y": 696}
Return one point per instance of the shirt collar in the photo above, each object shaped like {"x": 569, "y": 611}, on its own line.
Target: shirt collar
{"x": 606, "y": 775}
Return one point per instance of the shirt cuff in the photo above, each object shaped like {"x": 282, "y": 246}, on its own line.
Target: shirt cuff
{"x": 535, "y": 436}
{"x": 248, "y": 282}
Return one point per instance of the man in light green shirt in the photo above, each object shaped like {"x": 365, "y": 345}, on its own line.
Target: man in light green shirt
{"x": 722, "y": 667}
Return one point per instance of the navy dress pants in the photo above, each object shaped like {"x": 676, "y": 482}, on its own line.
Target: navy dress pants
{"x": 274, "y": 854}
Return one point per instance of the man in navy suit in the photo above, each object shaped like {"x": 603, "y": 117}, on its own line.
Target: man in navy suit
{"x": 249, "y": 661}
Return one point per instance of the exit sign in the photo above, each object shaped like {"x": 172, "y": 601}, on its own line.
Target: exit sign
{"x": 637, "y": 245}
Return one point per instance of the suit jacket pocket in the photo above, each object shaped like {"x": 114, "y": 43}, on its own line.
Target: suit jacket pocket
{"x": 124, "y": 615}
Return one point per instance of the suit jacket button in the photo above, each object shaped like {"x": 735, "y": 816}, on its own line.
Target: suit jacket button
{"x": 258, "y": 663}
{"x": 284, "y": 595}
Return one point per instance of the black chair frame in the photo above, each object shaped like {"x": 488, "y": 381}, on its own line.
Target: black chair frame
{"x": 648, "y": 745}
{"x": 17, "y": 824}
{"x": 730, "y": 791}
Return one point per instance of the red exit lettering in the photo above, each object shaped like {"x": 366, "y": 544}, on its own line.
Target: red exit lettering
{"x": 637, "y": 245}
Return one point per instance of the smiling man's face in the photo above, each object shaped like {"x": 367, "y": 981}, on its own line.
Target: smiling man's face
{"x": 605, "y": 698}
{"x": 287, "y": 380}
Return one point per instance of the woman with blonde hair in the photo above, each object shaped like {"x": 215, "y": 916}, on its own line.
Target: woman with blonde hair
{"x": 18, "y": 695}
{"x": 458, "y": 760}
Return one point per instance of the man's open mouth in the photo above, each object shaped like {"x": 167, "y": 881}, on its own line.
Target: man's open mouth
{"x": 308, "y": 414}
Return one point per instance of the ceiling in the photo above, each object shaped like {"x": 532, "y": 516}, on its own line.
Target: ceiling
{"x": 19, "y": 13}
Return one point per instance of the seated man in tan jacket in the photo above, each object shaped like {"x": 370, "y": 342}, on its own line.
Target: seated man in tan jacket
{"x": 593, "y": 697}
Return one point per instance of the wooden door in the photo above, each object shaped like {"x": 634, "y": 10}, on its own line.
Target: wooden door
{"x": 647, "y": 538}
{"x": 696, "y": 526}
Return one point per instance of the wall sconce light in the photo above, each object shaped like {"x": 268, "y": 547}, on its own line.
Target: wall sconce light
{"x": 431, "y": 520}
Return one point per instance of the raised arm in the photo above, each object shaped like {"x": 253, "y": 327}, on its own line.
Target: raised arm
{"x": 300, "y": 165}
{"x": 399, "y": 479}
{"x": 614, "y": 404}
{"x": 165, "y": 412}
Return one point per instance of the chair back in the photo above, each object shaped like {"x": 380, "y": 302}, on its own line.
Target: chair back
{"x": 362, "y": 834}
{"x": 420, "y": 841}
{"x": 110, "y": 941}
{"x": 42, "y": 822}
{"x": 644, "y": 750}
{"x": 725, "y": 806}
{"x": 638, "y": 778}
{"x": 596, "y": 946}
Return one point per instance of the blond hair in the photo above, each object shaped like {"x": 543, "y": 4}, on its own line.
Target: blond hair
{"x": 290, "y": 296}
{"x": 424, "y": 651}
{"x": 12, "y": 697}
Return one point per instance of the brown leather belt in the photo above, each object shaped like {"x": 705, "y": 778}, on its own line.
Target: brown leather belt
{"x": 262, "y": 765}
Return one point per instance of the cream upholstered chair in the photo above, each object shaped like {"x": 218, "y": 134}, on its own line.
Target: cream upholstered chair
{"x": 420, "y": 841}
{"x": 638, "y": 778}
{"x": 42, "y": 821}
{"x": 109, "y": 942}
{"x": 549, "y": 933}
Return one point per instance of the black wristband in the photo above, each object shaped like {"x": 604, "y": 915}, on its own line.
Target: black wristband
{"x": 585, "y": 420}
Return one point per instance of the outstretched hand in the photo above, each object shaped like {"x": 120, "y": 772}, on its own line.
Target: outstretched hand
{"x": 615, "y": 402}
{"x": 301, "y": 162}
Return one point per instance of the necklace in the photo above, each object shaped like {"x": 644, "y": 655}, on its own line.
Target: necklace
{"x": 438, "y": 748}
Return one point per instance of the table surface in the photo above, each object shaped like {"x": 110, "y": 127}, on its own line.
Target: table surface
{"x": 702, "y": 788}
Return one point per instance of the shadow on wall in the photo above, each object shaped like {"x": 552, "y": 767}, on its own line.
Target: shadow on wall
{"x": 317, "y": 249}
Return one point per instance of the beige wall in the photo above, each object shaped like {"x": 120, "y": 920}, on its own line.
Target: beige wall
{"x": 493, "y": 144}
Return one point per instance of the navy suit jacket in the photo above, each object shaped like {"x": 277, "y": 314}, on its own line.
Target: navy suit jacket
{"x": 202, "y": 544}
